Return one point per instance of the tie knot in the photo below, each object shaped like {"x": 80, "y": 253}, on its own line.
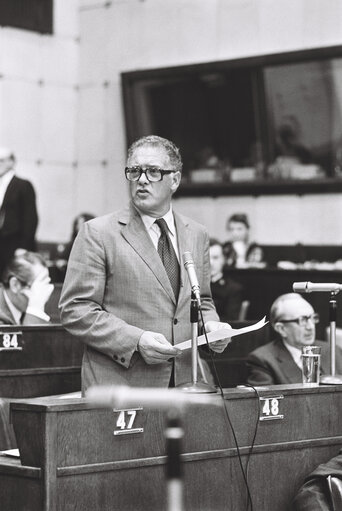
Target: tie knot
{"x": 162, "y": 225}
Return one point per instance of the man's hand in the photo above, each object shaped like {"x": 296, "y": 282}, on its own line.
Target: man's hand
{"x": 39, "y": 292}
{"x": 218, "y": 346}
{"x": 155, "y": 349}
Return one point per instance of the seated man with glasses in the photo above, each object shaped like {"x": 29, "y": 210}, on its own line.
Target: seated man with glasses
{"x": 24, "y": 290}
{"x": 279, "y": 361}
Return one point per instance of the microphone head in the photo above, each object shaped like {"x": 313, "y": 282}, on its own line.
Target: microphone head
{"x": 300, "y": 287}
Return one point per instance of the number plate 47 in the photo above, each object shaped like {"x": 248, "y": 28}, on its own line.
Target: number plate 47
{"x": 125, "y": 421}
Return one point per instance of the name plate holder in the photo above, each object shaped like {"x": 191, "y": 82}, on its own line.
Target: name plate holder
{"x": 125, "y": 421}
{"x": 11, "y": 341}
{"x": 270, "y": 408}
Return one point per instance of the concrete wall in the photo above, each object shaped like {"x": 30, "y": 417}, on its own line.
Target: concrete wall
{"x": 130, "y": 35}
{"x": 61, "y": 108}
{"x": 38, "y": 106}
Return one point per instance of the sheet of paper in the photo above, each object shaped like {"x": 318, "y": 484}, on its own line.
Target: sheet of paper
{"x": 11, "y": 452}
{"x": 223, "y": 334}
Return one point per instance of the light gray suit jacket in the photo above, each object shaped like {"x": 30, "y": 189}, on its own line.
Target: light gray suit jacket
{"x": 116, "y": 287}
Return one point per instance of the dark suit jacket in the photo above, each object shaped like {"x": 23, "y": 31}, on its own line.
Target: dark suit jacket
{"x": 272, "y": 364}
{"x": 116, "y": 287}
{"x": 227, "y": 295}
{"x": 18, "y": 219}
{"x": 315, "y": 494}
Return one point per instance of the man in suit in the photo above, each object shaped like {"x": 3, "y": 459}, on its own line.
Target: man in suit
{"x": 126, "y": 293}
{"x": 18, "y": 212}
{"x": 279, "y": 361}
{"x": 25, "y": 290}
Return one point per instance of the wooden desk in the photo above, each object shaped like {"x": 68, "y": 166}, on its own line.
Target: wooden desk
{"x": 71, "y": 460}
{"x": 48, "y": 363}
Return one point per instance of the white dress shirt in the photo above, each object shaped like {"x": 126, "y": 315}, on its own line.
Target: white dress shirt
{"x": 4, "y": 182}
{"x": 154, "y": 230}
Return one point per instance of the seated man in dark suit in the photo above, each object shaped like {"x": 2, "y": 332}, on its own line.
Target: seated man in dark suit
{"x": 25, "y": 289}
{"x": 227, "y": 294}
{"x": 279, "y": 361}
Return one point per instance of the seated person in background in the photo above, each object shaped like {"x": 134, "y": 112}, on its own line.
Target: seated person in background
{"x": 76, "y": 226}
{"x": 279, "y": 361}
{"x": 25, "y": 289}
{"x": 238, "y": 249}
{"x": 227, "y": 294}
{"x": 255, "y": 256}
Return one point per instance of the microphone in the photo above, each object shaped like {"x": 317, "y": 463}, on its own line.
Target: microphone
{"x": 153, "y": 397}
{"x": 310, "y": 287}
{"x": 190, "y": 268}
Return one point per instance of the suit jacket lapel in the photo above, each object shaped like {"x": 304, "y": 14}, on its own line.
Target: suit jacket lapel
{"x": 135, "y": 234}
{"x": 288, "y": 365}
{"x": 5, "y": 314}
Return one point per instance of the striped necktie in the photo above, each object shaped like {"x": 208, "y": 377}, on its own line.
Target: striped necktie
{"x": 168, "y": 256}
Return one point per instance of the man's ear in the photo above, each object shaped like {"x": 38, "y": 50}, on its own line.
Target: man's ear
{"x": 176, "y": 179}
{"x": 279, "y": 328}
{"x": 14, "y": 284}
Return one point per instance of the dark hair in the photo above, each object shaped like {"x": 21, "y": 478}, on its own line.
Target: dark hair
{"x": 155, "y": 141}
{"x": 20, "y": 266}
{"x": 214, "y": 241}
{"x": 86, "y": 216}
{"x": 239, "y": 217}
{"x": 252, "y": 247}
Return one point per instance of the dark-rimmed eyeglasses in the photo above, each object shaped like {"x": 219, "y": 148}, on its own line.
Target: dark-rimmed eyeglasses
{"x": 153, "y": 174}
{"x": 302, "y": 320}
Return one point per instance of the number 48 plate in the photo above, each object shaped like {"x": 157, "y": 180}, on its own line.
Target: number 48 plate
{"x": 270, "y": 408}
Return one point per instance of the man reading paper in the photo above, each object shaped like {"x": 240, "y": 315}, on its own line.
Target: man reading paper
{"x": 126, "y": 293}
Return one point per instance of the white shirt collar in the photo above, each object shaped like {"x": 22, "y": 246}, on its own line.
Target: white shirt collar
{"x": 16, "y": 313}
{"x": 6, "y": 178}
{"x": 149, "y": 221}
{"x": 296, "y": 353}
{"x": 4, "y": 182}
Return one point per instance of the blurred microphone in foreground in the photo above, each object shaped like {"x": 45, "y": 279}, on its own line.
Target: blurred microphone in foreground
{"x": 157, "y": 398}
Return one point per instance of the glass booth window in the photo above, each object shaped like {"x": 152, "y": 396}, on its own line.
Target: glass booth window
{"x": 304, "y": 102}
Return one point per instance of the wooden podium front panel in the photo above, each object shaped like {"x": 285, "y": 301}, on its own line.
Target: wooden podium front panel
{"x": 49, "y": 362}
{"x": 42, "y": 346}
{"x": 84, "y": 466}
{"x": 20, "y": 489}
